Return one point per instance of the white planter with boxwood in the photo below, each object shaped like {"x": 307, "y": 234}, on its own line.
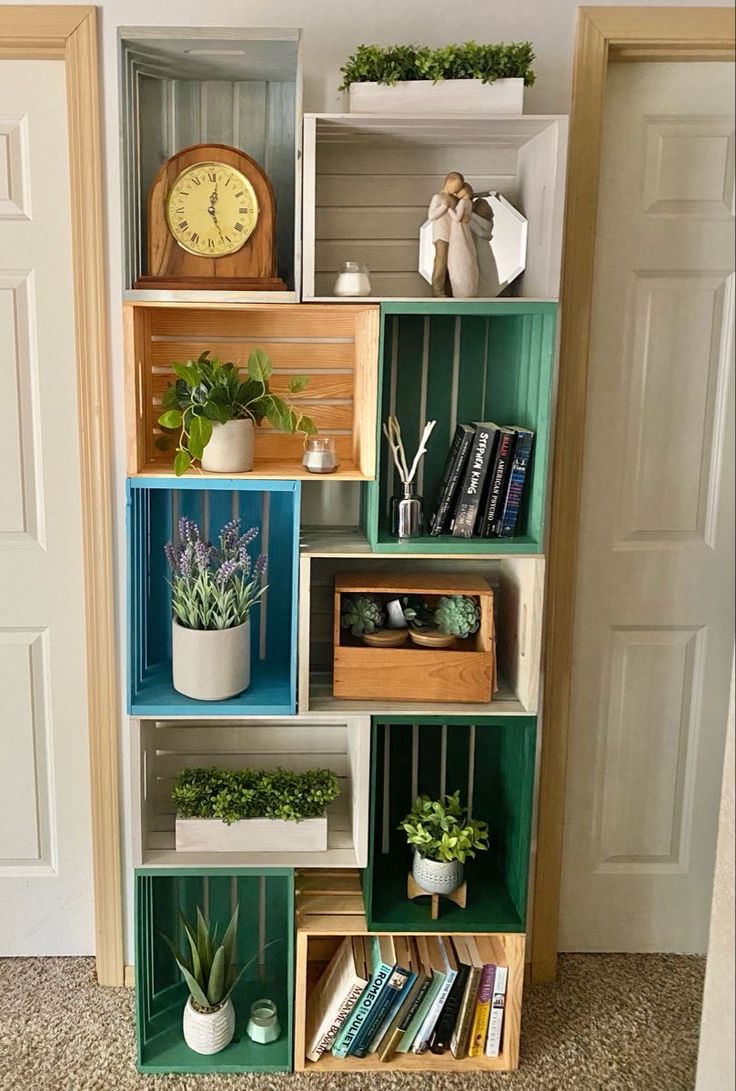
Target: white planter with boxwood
{"x": 253, "y": 810}
{"x": 440, "y": 99}
{"x": 213, "y": 590}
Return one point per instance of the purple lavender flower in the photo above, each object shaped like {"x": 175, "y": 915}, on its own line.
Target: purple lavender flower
{"x": 188, "y": 530}
{"x": 229, "y": 534}
{"x": 249, "y": 536}
{"x": 226, "y": 570}
{"x": 260, "y": 569}
{"x": 170, "y": 554}
{"x": 202, "y": 553}
{"x": 185, "y": 563}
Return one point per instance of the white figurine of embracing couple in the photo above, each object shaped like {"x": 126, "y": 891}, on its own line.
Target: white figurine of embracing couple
{"x": 455, "y": 219}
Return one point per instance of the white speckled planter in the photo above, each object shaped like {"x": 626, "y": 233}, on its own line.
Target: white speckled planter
{"x": 230, "y": 450}
{"x": 211, "y": 664}
{"x": 208, "y": 1031}
{"x": 435, "y": 876}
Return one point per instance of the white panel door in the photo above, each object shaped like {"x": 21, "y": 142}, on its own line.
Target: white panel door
{"x": 45, "y": 834}
{"x": 654, "y": 600}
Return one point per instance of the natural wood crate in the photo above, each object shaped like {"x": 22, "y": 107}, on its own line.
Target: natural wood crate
{"x": 337, "y": 347}
{"x": 325, "y": 915}
{"x": 464, "y": 673}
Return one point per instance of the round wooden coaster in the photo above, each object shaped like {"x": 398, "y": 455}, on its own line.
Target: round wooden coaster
{"x": 386, "y": 638}
{"x": 432, "y": 638}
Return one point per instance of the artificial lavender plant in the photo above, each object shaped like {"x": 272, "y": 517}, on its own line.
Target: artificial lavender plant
{"x": 214, "y": 587}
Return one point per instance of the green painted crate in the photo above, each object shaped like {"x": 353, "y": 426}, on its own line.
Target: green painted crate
{"x": 266, "y": 899}
{"x": 491, "y": 760}
{"x": 454, "y": 363}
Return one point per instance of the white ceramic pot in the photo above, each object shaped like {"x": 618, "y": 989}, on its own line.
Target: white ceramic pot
{"x": 446, "y": 97}
{"x": 230, "y": 450}
{"x": 210, "y": 664}
{"x": 435, "y": 876}
{"x": 208, "y": 1031}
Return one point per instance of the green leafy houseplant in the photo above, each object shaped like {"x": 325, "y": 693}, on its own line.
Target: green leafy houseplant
{"x": 235, "y": 794}
{"x": 208, "y": 392}
{"x": 210, "y": 971}
{"x": 440, "y": 830}
{"x": 469, "y": 60}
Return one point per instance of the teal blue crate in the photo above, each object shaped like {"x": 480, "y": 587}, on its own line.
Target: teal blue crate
{"x": 153, "y": 508}
{"x": 490, "y": 759}
{"x": 456, "y": 362}
{"x": 265, "y": 930}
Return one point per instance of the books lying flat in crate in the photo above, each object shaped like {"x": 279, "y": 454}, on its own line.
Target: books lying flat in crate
{"x": 383, "y": 995}
{"x": 482, "y": 485}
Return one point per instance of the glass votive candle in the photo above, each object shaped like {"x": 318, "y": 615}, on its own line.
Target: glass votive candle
{"x": 353, "y": 279}
{"x": 263, "y": 1025}
{"x": 320, "y": 455}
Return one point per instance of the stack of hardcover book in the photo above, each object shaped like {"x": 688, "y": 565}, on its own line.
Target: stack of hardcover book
{"x": 385, "y": 995}
{"x": 483, "y": 481}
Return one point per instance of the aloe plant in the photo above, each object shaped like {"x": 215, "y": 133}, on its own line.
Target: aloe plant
{"x": 210, "y": 973}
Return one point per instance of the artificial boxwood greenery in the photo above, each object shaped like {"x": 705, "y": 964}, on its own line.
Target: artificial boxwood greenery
{"x": 468, "y": 61}
{"x": 232, "y": 794}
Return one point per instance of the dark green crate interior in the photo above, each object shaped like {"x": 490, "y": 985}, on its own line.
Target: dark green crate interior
{"x": 490, "y": 758}
{"x": 265, "y": 930}
{"x": 458, "y": 363}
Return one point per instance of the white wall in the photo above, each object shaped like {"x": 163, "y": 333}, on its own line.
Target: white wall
{"x": 716, "y": 1063}
{"x": 332, "y": 30}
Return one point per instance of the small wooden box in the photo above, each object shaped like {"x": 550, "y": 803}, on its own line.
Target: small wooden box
{"x": 464, "y": 673}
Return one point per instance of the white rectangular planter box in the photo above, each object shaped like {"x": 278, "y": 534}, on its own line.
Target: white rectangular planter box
{"x": 438, "y": 99}
{"x": 251, "y": 835}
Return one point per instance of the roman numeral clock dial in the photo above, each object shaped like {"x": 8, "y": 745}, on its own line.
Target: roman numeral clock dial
{"x": 211, "y": 210}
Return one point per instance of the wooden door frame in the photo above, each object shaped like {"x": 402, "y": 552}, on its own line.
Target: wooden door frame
{"x": 69, "y": 33}
{"x": 603, "y": 34}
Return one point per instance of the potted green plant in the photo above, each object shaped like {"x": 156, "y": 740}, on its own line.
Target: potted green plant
{"x": 213, "y": 590}
{"x": 253, "y": 810}
{"x": 209, "y": 1017}
{"x": 455, "y": 617}
{"x": 214, "y": 412}
{"x": 465, "y": 78}
{"x": 442, "y": 837}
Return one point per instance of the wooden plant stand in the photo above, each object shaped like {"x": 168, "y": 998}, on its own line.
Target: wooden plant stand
{"x": 414, "y": 890}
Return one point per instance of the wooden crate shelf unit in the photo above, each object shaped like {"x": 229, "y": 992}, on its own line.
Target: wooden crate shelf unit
{"x": 368, "y": 181}
{"x": 458, "y": 363}
{"x": 181, "y": 86}
{"x": 265, "y": 934}
{"x": 517, "y": 583}
{"x": 466, "y": 672}
{"x": 336, "y": 347}
{"x": 154, "y": 506}
{"x": 491, "y": 761}
{"x": 161, "y": 748}
{"x": 328, "y": 910}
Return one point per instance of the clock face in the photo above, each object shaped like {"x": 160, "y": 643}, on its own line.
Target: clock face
{"x": 211, "y": 209}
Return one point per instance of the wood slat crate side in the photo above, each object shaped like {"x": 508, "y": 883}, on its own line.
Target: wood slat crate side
{"x": 290, "y": 356}
{"x": 260, "y": 320}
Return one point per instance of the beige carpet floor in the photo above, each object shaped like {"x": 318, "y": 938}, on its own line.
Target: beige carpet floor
{"x": 610, "y": 1023}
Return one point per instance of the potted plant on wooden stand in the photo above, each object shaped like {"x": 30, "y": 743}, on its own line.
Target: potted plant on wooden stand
{"x": 467, "y": 78}
{"x": 213, "y": 590}
{"x": 214, "y": 411}
{"x": 209, "y": 1017}
{"x": 442, "y": 837}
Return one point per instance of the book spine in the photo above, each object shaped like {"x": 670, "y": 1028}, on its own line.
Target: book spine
{"x": 422, "y": 1039}
{"x": 393, "y": 987}
{"x": 454, "y": 470}
{"x": 479, "y": 1029}
{"x": 459, "y": 1041}
{"x": 515, "y": 488}
{"x": 440, "y": 1040}
{"x": 496, "y": 486}
{"x": 392, "y": 1011}
{"x": 328, "y": 1036}
{"x": 388, "y": 1047}
{"x": 468, "y": 503}
{"x": 498, "y": 1005}
{"x": 410, "y": 1034}
{"x": 365, "y": 1005}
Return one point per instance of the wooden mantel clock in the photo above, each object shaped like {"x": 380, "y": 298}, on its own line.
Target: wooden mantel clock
{"x": 212, "y": 223}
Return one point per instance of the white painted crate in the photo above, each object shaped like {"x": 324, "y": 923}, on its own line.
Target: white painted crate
{"x": 368, "y": 181}
{"x": 518, "y": 585}
{"x": 192, "y": 85}
{"x": 161, "y": 748}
